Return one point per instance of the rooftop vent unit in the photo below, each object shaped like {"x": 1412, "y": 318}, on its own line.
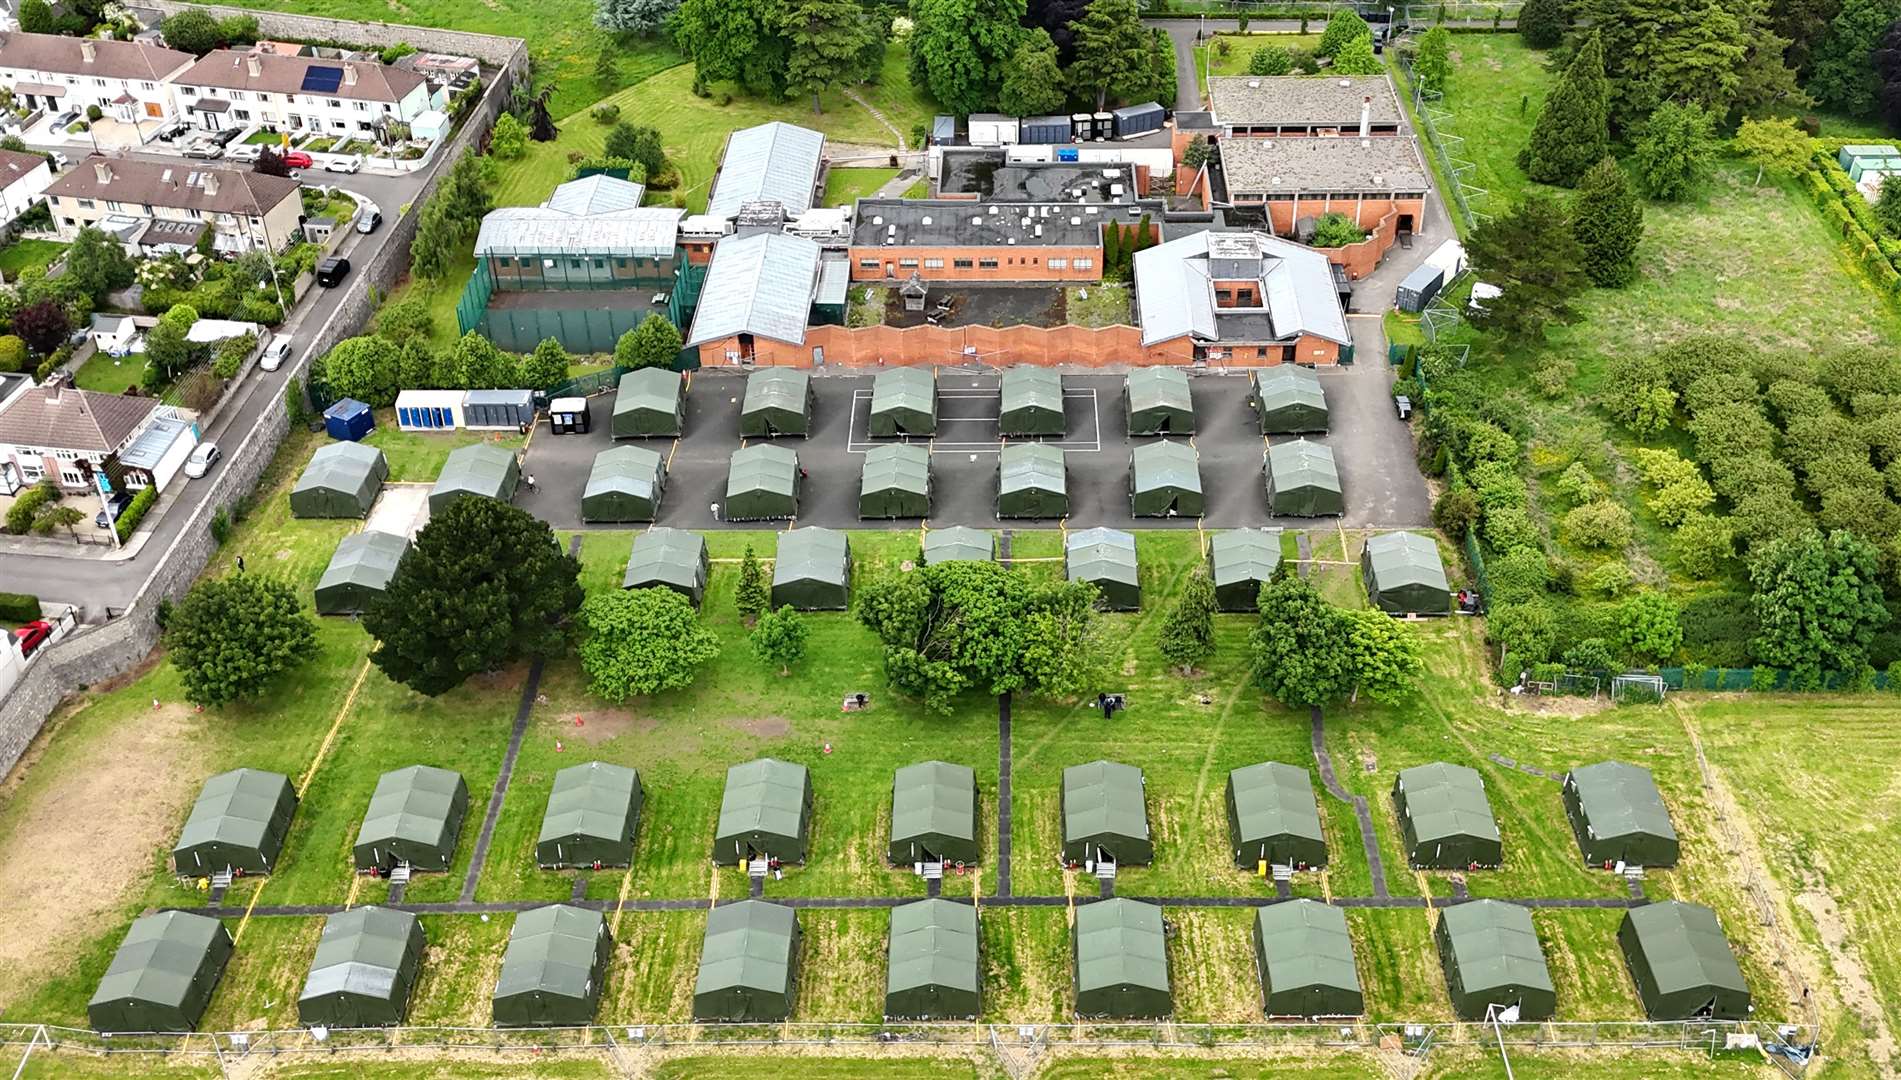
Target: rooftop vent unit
{"x": 1346, "y": 84}
{"x": 1366, "y": 144}
{"x": 1093, "y": 210}
{"x": 1277, "y": 181}
{"x": 1010, "y": 240}
{"x": 996, "y": 209}
{"x": 1039, "y": 230}
{"x": 1075, "y": 221}
{"x": 925, "y": 220}
{"x": 1116, "y": 190}
{"x": 878, "y": 220}
{"x": 1267, "y": 144}
{"x": 1026, "y": 221}
{"x": 1379, "y": 179}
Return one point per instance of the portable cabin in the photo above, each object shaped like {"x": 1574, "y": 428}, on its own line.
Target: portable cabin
{"x": 348, "y": 420}
{"x": 1133, "y": 120}
{"x": 1419, "y": 288}
{"x": 430, "y": 410}
{"x": 499, "y": 410}
{"x": 569, "y": 416}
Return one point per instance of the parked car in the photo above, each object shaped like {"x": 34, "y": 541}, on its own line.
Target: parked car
{"x": 202, "y": 459}
{"x": 60, "y": 161}
{"x": 245, "y": 152}
{"x": 115, "y": 505}
{"x": 65, "y": 120}
{"x": 275, "y": 353}
{"x": 353, "y": 163}
{"x": 297, "y": 159}
{"x": 332, "y": 271}
{"x": 204, "y": 151}
{"x": 223, "y": 138}
{"x": 369, "y": 220}
{"x": 173, "y": 132}
{"x": 33, "y": 635}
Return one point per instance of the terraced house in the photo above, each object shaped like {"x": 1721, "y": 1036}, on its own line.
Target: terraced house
{"x": 134, "y": 200}
{"x": 298, "y": 93}
{"x": 125, "y": 79}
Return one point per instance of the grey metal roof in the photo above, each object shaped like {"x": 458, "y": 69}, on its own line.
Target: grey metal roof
{"x": 1403, "y": 558}
{"x": 1245, "y": 555}
{"x": 1165, "y": 465}
{"x": 650, "y": 231}
{"x": 674, "y": 556}
{"x": 631, "y": 470}
{"x": 776, "y": 161}
{"x": 761, "y": 284}
{"x": 1101, "y": 554}
{"x": 1621, "y": 799}
{"x": 1302, "y": 464}
{"x": 148, "y": 450}
{"x": 1032, "y": 465}
{"x": 597, "y": 194}
{"x": 1333, "y": 100}
{"x": 1256, "y": 167}
{"x": 367, "y": 558}
{"x": 1174, "y": 289}
{"x": 963, "y": 223}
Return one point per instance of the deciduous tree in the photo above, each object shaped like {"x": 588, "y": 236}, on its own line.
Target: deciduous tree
{"x": 1300, "y": 647}
{"x": 231, "y": 637}
{"x": 1432, "y": 67}
{"x": 401, "y": 321}
{"x": 43, "y": 325}
{"x": 1888, "y": 204}
{"x": 1383, "y": 655}
{"x": 191, "y": 30}
{"x": 1676, "y": 151}
{"x": 1818, "y": 601}
{"x": 959, "y": 47}
{"x": 654, "y": 343}
{"x": 826, "y": 38}
{"x": 1032, "y": 78}
{"x": 779, "y": 638}
{"x": 1608, "y": 222}
{"x": 1573, "y": 130}
{"x": 1188, "y": 633}
{"x": 1533, "y": 257}
{"x": 1270, "y": 60}
{"x": 1650, "y": 626}
{"x": 546, "y": 367}
{"x": 1356, "y": 58}
{"x": 98, "y": 265}
{"x": 508, "y": 139}
{"x": 364, "y": 368}
{"x": 1774, "y": 145}
{"x": 642, "y": 641}
{"x": 734, "y": 41}
{"x": 1843, "y": 74}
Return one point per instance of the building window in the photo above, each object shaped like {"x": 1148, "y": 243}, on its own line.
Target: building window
{"x": 148, "y": 86}
{"x": 621, "y": 263}
{"x": 335, "y": 104}
{"x": 66, "y": 455}
{"x": 525, "y": 261}
{"x": 1260, "y": 354}
{"x": 71, "y": 478}
{"x": 1084, "y": 264}
{"x": 1223, "y": 297}
{"x": 364, "y": 125}
{"x": 574, "y": 263}
{"x": 961, "y": 264}
{"x": 1059, "y": 264}
{"x": 110, "y": 205}
{"x": 362, "y": 106}
{"x": 868, "y": 264}
{"x": 986, "y": 264}
{"x": 242, "y": 114}
{"x": 188, "y": 91}
{"x": 908, "y": 264}
{"x": 600, "y": 264}
{"x": 85, "y": 204}
{"x": 933, "y": 264}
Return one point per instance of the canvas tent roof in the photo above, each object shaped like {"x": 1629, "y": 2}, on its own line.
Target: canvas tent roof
{"x": 934, "y": 811}
{"x": 958, "y": 542}
{"x": 554, "y": 968}
{"x": 1121, "y": 960}
{"x": 1619, "y": 815}
{"x": 1404, "y": 573}
{"x": 765, "y": 807}
{"x": 1302, "y": 479}
{"x": 1032, "y": 402}
{"x": 904, "y": 402}
{"x": 593, "y": 814}
{"x": 812, "y": 569}
{"x": 361, "y": 568}
{"x": 1107, "y": 558}
{"x": 415, "y": 816}
{"x": 341, "y": 480}
{"x": 932, "y": 972}
{"x": 1273, "y": 815}
{"x": 1241, "y": 561}
{"x": 1446, "y": 817}
{"x": 1492, "y": 957}
{"x": 778, "y": 401}
{"x": 625, "y": 483}
{"x": 1165, "y": 476}
{"x": 762, "y": 482}
{"x": 1682, "y": 962}
{"x": 649, "y": 401}
{"x": 1032, "y": 481}
{"x": 1305, "y": 956}
{"x": 162, "y": 975}
{"x": 896, "y": 482}
{"x": 477, "y": 469}
{"x": 1289, "y": 399}
{"x": 239, "y": 821}
{"x": 1104, "y": 807}
{"x": 364, "y": 970}
{"x": 668, "y": 558}
{"x": 748, "y": 963}
{"x": 1158, "y": 401}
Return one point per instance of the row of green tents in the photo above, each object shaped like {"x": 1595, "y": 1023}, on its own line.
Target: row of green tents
{"x": 1615, "y": 810}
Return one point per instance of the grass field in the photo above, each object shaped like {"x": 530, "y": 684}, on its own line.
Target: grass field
{"x": 844, "y": 185}
{"x": 110, "y": 374}
{"x": 1241, "y": 47}
{"x": 28, "y": 254}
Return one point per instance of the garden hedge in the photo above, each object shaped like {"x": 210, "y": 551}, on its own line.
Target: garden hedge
{"x": 135, "y": 513}
{"x": 17, "y": 608}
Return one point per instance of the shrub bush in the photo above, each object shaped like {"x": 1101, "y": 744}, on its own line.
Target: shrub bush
{"x": 12, "y": 354}
{"x": 17, "y": 608}
{"x": 1521, "y": 574}
{"x": 1609, "y": 579}
{"x": 1510, "y": 528}
{"x": 26, "y": 506}
{"x": 141, "y": 505}
{"x": 1602, "y": 525}
{"x": 605, "y": 114}
{"x": 1455, "y": 512}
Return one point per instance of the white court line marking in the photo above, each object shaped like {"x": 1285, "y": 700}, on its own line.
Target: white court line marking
{"x": 854, "y": 445}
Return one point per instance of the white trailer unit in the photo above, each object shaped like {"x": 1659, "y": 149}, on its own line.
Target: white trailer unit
{"x": 430, "y": 410}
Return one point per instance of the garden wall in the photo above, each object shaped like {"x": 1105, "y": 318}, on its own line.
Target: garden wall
{"x": 1077, "y": 346}
{"x": 490, "y": 50}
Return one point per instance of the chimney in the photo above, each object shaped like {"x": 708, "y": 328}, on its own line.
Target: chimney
{"x": 1366, "y": 114}
{"x": 51, "y": 389}
{"x": 252, "y": 67}
{"x": 103, "y": 170}
{"x": 88, "y": 51}
{"x": 349, "y": 74}
{"x": 211, "y": 182}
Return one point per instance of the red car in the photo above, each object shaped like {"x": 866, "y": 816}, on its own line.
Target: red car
{"x": 33, "y": 635}
{"x": 297, "y": 159}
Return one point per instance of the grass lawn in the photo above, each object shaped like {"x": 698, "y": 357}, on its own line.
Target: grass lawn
{"x": 1241, "y": 49}
{"x": 27, "y": 254}
{"x": 417, "y": 456}
{"x": 110, "y": 374}
{"x": 919, "y": 190}
{"x": 844, "y": 185}
{"x": 1498, "y": 85}
{"x": 1098, "y": 305}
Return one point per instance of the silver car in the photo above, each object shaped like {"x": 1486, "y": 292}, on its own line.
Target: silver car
{"x": 275, "y": 353}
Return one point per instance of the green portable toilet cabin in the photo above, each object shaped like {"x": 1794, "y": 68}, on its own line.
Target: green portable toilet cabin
{"x": 359, "y": 571}
{"x": 812, "y": 570}
{"x": 1288, "y": 400}
{"x": 933, "y": 814}
{"x": 626, "y": 483}
{"x": 1106, "y": 559}
{"x": 959, "y": 543}
{"x": 592, "y": 818}
{"x": 765, "y": 812}
{"x": 1105, "y": 815}
{"x": 1165, "y": 480}
{"x": 931, "y": 962}
{"x": 1682, "y": 963}
{"x": 649, "y": 401}
{"x": 1032, "y": 481}
{"x": 162, "y": 976}
{"x": 1121, "y": 961}
{"x": 1304, "y": 955}
{"x": 482, "y": 469}
{"x": 341, "y": 481}
{"x": 554, "y": 968}
{"x": 748, "y": 964}
{"x": 666, "y": 558}
{"x": 238, "y": 823}
{"x": 415, "y": 816}
{"x": 1445, "y": 820}
{"x": 1032, "y": 402}
{"x": 1618, "y": 815}
{"x": 778, "y": 401}
{"x": 365, "y": 968}
{"x": 1404, "y": 574}
{"x": 1302, "y": 480}
{"x": 1156, "y": 401}
{"x": 1240, "y": 561}
{"x": 1273, "y": 818}
{"x": 896, "y": 482}
{"x": 762, "y": 484}
{"x": 904, "y": 402}
{"x": 1492, "y": 958}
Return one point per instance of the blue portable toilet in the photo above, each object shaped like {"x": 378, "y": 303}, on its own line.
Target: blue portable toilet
{"x": 349, "y": 420}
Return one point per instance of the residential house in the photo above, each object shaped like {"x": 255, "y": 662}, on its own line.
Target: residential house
{"x": 126, "y": 79}
{"x": 23, "y": 180}
{"x": 1244, "y": 298}
{"x": 71, "y": 435}
{"x": 298, "y": 93}
{"x": 979, "y": 243}
{"x": 128, "y": 198}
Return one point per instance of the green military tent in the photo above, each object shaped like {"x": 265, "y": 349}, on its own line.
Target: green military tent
{"x": 1032, "y": 482}
{"x": 1106, "y": 559}
{"x": 592, "y": 816}
{"x": 1273, "y": 818}
{"x": 238, "y": 823}
{"x": 765, "y": 812}
{"x": 1304, "y": 956}
{"x": 359, "y": 571}
{"x": 1288, "y": 400}
{"x": 1446, "y": 818}
{"x": 1302, "y": 480}
{"x": 1492, "y": 957}
{"x": 649, "y": 401}
{"x": 554, "y": 968}
{"x": 1032, "y": 402}
{"x": 1105, "y": 816}
{"x": 904, "y": 402}
{"x": 762, "y": 484}
{"x": 748, "y": 963}
{"x": 1240, "y": 561}
{"x": 1165, "y": 480}
{"x": 931, "y": 971}
{"x": 959, "y": 542}
{"x": 1158, "y": 402}
{"x": 366, "y": 965}
{"x": 666, "y": 558}
{"x": 625, "y": 484}
{"x": 933, "y": 814}
{"x": 896, "y": 482}
{"x": 478, "y": 469}
{"x": 1121, "y": 960}
{"x": 1618, "y": 815}
{"x": 812, "y": 570}
{"x": 415, "y": 817}
{"x": 1682, "y": 963}
{"x": 778, "y": 402}
{"x": 341, "y": 481}
{"x": 162, "y": 977}
{"x": 1404, "y": 575}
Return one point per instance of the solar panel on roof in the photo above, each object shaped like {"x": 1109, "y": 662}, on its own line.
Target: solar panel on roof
{"x": 322, "y": 80}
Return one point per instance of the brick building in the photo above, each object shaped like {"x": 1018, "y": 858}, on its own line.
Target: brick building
{"x": 1283, "y": 106}
{"x": 980, "y": 243}
{"x": 1378, "y": 183}
{"x": 1245, "y": 298}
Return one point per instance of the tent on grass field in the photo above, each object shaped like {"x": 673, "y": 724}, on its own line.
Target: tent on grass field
{"x": 626, "y": 483}
{"x": 366, "y": 966}
{"x": 593, "y": 814}
{"x": 778, "y": 401}
{"x": 1240, "y": 562}
{"x": 1158, "y": 402}
{"x": 341, "y": 481}
{"x": 1121, "y": 960}
{"x": 1404, "y": 575}
{"x": 812, "y": 570}
{"x": 762, "y": 484}
{"x": 1032, "y": 402}
{"x": 162, "y": 976}
{"x": 415, "y": 817}
{"x": 359, "y": 571}
{"x": 478, "y": 469}
{"x": 1105, "y": 815}
{"x": 766, "y": 812}
{"x": 1165, "y": 480}
{"x": 931, "y": 971}
{"x": 1618, "y": 815}
{"x": 1305, "y": 958}
{"x": 959, "y": 542}
{"x": 1682, "y": 963}
{"x": 666, "y": 558}
{"x": 649, "y": 401}
{"x": 1273, "y": 818}
{"x": 1492, "y": 957}
{"x": 1446, "y": 818}
{"x": 896, "y": 482}
{"x": 748, "y": 963}
{"x": 554, "y": 968}
{"x": 1288, "y": 400}
{"x": 238, "y": 822}
{"x": 933, "y": 814}
{"x": 1031, "y": 481}
{"x": 1106, "y": 559}
{"x": 1302, "y": 480}
{"x": 904, "y": 402}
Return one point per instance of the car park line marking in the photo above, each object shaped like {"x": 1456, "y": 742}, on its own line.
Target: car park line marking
{"x": 855, "y": 445}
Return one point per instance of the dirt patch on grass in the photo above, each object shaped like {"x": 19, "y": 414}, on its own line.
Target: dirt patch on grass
{"x": 762, "y": 727}
{"x": 508, "y": 678}
{"x": 1853, "y": 981}
{"x": 120, "y": 682}
{"x": 601, "y": 725}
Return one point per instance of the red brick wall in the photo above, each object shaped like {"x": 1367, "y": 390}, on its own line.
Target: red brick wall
{"x": 1078, "y": 346}
{"x": 1013, "y": 263}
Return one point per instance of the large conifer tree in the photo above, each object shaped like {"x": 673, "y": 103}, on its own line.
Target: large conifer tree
{"x": 1608, "y": 221}
{"x": 1573, "y": 131}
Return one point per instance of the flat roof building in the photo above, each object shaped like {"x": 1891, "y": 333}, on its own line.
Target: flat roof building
{"x": 1296, "y": 105}
{"x": 998, "y": 242}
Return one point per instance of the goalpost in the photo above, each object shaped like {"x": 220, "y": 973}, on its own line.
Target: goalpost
{"x": 1638, "y": 689}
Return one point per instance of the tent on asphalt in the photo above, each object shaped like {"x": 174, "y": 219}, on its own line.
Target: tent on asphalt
{"x": 1404, "y": 575}
{"x": 415, "y": 817}
{"x": 1618, "y": 815}
{"x": 1032, "y": 482}
{"x": 959, "y": 542}
{"x": 593, "y": 814}
{"x": 812, "y": 570}
{"x": 341, "y": 481}
{"x": 238, "y": 822}
{"x": 1240, "y": 562}
{"x": 1104, "y": 815}
{"x": 1121, "y": 960}
{"x": 1165, "y": 480}
{"x": 1304, "y": 955}
{"x": 1273, "y": 818}
{"x": 1158, "y": 402}
{"x": 162, "y": 977}
{"x": 766, "y": 812}
{"x": 554, "y": 968}
{"x": 748, "y": 963}
{"x": 1105, "y": 558}
{"x": 778, "y": 402}
{"x": 904, "y": 402}
{"x": 477, "y": 469}
{"x": 1446, "y": 818}
{"x": 1302, "y": 480}
{"x": 762, "y": 484}
{"x": 1032, "y": 402}
{"x": 666, "y": 558}
{"x": 366, "y": 965}
{"x": 896, "y": 482}
{"x": 933, "y": 814}
{"x": 1492, "y": 957}
{"x": 625, "y": 484}
{"x": 359, "y": 571}
{"x": 649, "y": 401}
{"x": 1682, "y": 963}
{"x": 931, "y": 971}
{"x": 1288, "y": 400}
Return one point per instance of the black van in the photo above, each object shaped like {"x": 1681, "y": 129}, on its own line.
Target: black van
{"x": 331, "y": 272}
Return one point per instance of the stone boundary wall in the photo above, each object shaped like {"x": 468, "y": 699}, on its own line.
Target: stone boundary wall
{"x": 490, "y": 50}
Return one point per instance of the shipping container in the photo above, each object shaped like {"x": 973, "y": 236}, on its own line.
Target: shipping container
{"x": 499, "y": 410}
{"x": 992, "y": 129}
{"x": 1136, "y": 120}
{"x": 1449, "y": 257}
{"x": 1419, "y": 288}
{"x": 1046, "y": 129}
{"x": 569, "y": 416}
{"x": 1068, "y": 153}
{"x": 1847, "y": 155}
